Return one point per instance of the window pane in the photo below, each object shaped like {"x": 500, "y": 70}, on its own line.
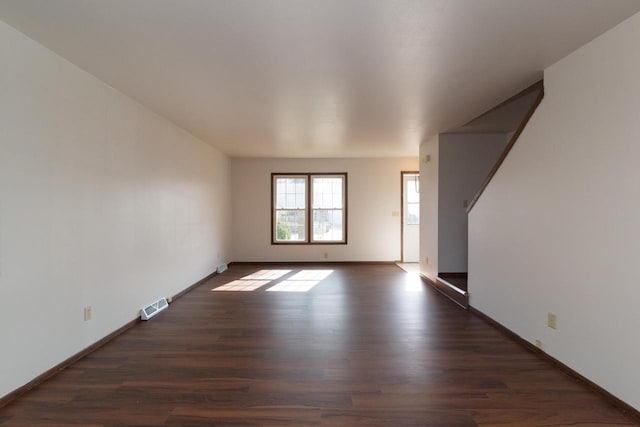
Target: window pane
{"x": 290, "y": 193}
{"x": 413, "y": 214}
{"x": 413, "y": 190}
{"x": 290, "y": 226}
{"x": 337, "y": 200}
{"x": 290, "y": 200}
{"x": 327, "y": 193}
{"x": 300, "y": 202}
{"x": 280, "y": 193}
{"x": 327, "y": 225}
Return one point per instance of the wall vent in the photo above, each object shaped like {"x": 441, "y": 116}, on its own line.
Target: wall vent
{"x": 221, "y": 268}
{"x": 152, "y": 309}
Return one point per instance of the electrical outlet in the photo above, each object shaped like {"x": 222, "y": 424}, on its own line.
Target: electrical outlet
{"x": 326, "y": 255}
{"x": 87, "y": 313}
{"x": 539, "y": 344}
{"x": 552, "y": 320}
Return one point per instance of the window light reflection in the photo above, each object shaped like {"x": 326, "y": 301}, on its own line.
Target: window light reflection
{"x": 242, "y": 285}
{"x": 311, "y": 275}
{"x": 266, "y": 275}
{"x": 413, "y": 283}
{"x": 303, "y": 281}
{"x": 294, "y": 286}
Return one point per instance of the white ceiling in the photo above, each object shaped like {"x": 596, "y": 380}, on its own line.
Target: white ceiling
{"x": 311, "y": 78}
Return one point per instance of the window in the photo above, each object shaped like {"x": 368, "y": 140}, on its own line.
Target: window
{"x": 412, "y": 214}
{"x": 309, "y": 208}
{"x": 291, "y": 208}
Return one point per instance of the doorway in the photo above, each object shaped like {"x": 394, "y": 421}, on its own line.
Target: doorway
{"x": 410, "y": 217}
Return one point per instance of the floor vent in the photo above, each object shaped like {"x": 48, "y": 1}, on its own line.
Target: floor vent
{"x": 222, "y": 268}
{"x": 152, "y": 309}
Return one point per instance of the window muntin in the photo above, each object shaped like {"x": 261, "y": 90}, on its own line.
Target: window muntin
{"x": 309, "y": 208}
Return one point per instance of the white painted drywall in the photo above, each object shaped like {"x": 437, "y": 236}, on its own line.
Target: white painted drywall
{"x": 373, "y": 193}
{"x": 429, "y": 207}
{"x": 557, "y": 228}
{"x": 102, "y": 203}
{"x": 465, "y": 160}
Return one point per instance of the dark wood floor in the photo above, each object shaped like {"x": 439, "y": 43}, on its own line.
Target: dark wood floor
{"x": 368, "y": 346}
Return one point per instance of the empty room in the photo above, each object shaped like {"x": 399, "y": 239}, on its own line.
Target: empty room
{"x": 319, "y": 213}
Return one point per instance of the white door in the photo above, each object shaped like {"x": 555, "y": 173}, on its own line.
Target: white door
{"x": 410, "y": 217}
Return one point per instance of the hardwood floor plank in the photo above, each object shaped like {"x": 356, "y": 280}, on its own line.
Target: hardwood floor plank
{"x": 367, "y": 346}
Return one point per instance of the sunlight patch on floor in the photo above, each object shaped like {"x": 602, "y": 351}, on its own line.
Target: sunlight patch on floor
{"x": 311, "y": 275}
{"x": 294, "y": 286}
{"x": 302, "y": 281}
{"x": 413, "y": 283}
{"x": 242, "y": 285}
{"x": 409, "y": 267}
{"x": 266, "y": 275}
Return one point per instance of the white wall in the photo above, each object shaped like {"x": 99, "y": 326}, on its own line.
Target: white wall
{"x": 465, "y": 161}
{"x": 557, "y": 229}
{"x": 429, "y": 207}
{"x": 102, "y": 203}
{"x": 373, "y": 192}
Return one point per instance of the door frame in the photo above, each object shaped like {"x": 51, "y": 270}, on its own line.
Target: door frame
{"x": 402, "y": 174}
